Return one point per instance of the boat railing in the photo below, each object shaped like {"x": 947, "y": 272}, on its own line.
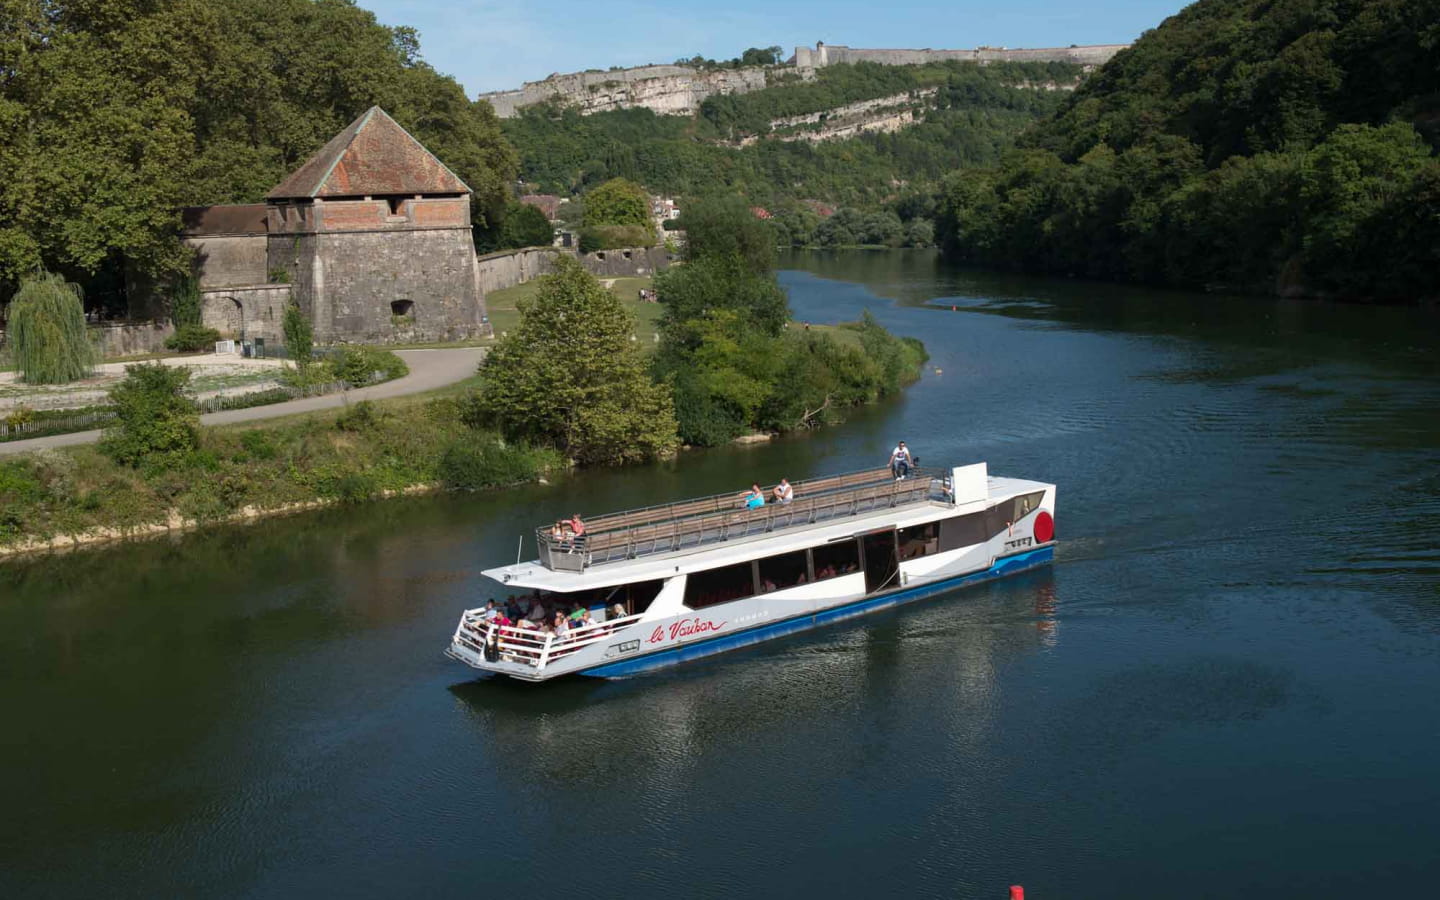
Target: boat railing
{"x": 529, "y": 646}
{"x": 695, "y": 523}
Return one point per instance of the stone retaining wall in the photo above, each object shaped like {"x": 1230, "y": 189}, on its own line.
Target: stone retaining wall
{"x": 511, "y": 267}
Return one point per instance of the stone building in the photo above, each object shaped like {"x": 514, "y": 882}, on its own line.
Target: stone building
{"x": 370, "y": 237}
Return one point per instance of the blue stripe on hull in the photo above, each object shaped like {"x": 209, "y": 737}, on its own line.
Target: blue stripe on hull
{"x": 1009, "y": 565}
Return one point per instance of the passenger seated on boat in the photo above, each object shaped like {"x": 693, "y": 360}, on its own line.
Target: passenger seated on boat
{"x": 900, "y": 461}
{"x": 560, "y": 625}
{"x": 513, "y": 608}
{"x": 784, "y": 493}
{"x": 585, "y": 621}
{"x": 578, "y": 612}
{"x": 826, "y": 572}
{"x": 537, "y": 611}
{"x": 490, "y": 610}
{"x": 616, "y": 612}
{"x": 766, "y": 586}
{"x": 753, "y": 498}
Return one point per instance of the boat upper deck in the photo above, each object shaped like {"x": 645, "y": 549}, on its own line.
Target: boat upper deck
{"x": 694, "y": 524}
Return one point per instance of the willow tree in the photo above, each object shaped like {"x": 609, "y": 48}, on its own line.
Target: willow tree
{"x": 48, "y": 338}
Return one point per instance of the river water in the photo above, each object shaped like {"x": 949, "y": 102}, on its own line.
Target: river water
{"x": 1227, "y": 684}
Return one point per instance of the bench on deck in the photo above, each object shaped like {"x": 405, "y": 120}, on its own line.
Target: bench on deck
{"x": 694, "y": 523}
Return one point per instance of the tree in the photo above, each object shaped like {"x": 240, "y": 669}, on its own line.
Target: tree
{"x": 525, "y": 226}
{"x": 617, "y": 202}
{"x": 47, "y": 331}
{"x": 724, "y": 227}
{"x": 116, "y": 113}
{"x": 690, "y": 292}
{"x": 756, "y": 56}
{"x": 571, "y": 376}
{"x": 154, "y": 419}
{"x": 299, "y": 336}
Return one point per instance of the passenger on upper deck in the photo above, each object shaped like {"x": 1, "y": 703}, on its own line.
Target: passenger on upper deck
{"x": 784, "y": 493}
{"x": 900, "y": 461}
{"x": 753, "y": 498}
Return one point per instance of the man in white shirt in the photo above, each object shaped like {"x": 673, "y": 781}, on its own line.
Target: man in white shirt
{"x": 900, "y": 461}
{"x": 784, "y": 493}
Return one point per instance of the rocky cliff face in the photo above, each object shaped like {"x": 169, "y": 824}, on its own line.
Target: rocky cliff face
{"x": 668, "y": 90}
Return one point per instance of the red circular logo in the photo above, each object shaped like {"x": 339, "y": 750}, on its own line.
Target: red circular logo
{"x": 1044, "y": 528}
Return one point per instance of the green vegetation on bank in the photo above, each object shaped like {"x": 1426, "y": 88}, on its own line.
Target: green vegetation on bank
{"x": 1242, "y": 145}
{"x": 729, "y": 354}
{"x": 977, "y": 112}
{"x": 207, "y": 474}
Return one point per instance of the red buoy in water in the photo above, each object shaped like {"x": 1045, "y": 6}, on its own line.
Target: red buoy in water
{"x": 1017, "y": 892}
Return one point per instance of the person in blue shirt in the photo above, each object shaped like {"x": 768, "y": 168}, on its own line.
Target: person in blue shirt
{"x": 753, "y": 498}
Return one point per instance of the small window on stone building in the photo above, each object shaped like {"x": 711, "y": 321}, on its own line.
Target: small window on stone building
{"x": 402, "y": 307}
{"x": 627, "y": 254}
{"x": 397, "y": 208}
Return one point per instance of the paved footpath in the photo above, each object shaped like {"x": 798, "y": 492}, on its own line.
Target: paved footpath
{"x": 429, "y": 369}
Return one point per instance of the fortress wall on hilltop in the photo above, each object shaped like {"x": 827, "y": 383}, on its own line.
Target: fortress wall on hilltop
{"x": 833, "y": 54}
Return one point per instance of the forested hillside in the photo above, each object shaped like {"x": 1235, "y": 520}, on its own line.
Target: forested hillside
{"x": 1243, "y": 144}
{"x": 114, "y": 113}
{"x": 973, "y": 119}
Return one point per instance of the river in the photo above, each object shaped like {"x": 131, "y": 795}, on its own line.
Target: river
{"x": 1227, "y": 684}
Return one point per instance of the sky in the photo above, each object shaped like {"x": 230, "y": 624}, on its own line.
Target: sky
{"x": 491, "y": 45}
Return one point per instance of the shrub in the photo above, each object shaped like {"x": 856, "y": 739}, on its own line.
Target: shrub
{"x": 358, "y": 366}
{"x": 154, "y": 416}
{"x": 471, "y": 465}
{"x": 192, "y": 338}
{"x": 259, "y": 445}
{"x": 185, "y": 303}
{"x": 359, "y": 417}
{"x": 47, "y": 331}
{"x": 299, "y": 336}
{"x": 279, "y": 275}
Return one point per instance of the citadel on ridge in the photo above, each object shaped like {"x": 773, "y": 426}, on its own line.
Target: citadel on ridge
{"x": 679, "y": 90}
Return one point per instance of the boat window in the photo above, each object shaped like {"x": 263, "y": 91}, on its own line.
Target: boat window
{"x": 963, "y": 531}
{"x": 1026, "y": 504}
{"x": 920, "y": 540}
{"x": 783, "y": 571}
{"x": 839, "y": 558}
{"x": 721, "y": 585}
{"x": 639, "y": 596}
{"x": 1003, "y": 515}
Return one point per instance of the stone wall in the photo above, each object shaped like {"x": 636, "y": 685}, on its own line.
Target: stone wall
{"x": 385, "y": 286}
{"x": 228, "y": 259}
{"x": 131, "y": 338}
{"x": 247, "y": 312}
{"x": 373, "y": 271}
{"x": 511, "y": 267}
{"x": 835, "y": 54}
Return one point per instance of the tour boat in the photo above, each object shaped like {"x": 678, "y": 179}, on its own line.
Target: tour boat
{"x": 672, "y": 583}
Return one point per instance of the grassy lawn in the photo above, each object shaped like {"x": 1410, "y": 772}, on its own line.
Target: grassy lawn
{"x": 504, "y": 315}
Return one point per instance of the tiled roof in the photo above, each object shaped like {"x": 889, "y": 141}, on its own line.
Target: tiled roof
{"x": 372, "y": 156}
{"x": 247, "y": 218}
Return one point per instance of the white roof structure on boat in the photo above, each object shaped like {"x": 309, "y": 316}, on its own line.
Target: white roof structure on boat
{"x": 534, "y": 575}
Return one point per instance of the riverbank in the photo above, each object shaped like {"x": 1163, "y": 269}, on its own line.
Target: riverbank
{"x": 363, "y": 451}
